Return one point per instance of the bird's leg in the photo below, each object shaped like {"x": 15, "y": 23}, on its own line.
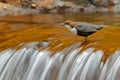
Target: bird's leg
{"x": 85, "y": 39}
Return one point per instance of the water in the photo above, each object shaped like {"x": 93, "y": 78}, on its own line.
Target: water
{"x": 53, "y": 19}
{"x": 49, "y": 58}
{"x": 68, "y": 64}
{"x": 18, "y": 29}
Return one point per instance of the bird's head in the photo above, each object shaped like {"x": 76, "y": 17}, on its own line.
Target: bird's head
{"x": 70, "y": 23}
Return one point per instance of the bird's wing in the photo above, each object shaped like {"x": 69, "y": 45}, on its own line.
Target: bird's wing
{"x": 85, "y": 27}
{"x": 98, "y": 27}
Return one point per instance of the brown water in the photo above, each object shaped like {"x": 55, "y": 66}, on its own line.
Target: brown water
{"x": 28, "y": 28}
{"x": 98, "y": 18}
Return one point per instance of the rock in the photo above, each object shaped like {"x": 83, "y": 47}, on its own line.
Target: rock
{"x": 7, "y": 7}
{"x": 54, "y": 6}
{"x": 90, "y": 9}
{"x": 116, "y": 1}
{"x": 10, "y": 9}
{"x": 59, "y": 3}
{"x": 34, "y": 6}
{"x": 102, "y": 9}
{"x": 4, "y": 1}
{"x": 68, "y": 4}
{"x": 117, "y": 8}
{"x": 53, "y": 11}
{"x": 14, "y": 2}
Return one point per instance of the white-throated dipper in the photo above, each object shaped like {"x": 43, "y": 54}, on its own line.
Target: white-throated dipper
{"x": 82, "y": 28}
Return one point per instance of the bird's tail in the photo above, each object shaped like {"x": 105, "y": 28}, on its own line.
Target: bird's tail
{"x": 102, "y": 26}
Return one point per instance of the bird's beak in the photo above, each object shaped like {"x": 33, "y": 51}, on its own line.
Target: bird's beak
{"x": 62, "y": 24}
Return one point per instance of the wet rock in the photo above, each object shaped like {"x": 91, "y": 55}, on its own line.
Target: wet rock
{"x": 103, "y": 10}
{"x": 101, "y": 3}
{"x": 76, "y": 8}
{"x": 116, "y": 1}
{"x": 33, "y": 6}
{"x": 4, "y": 1}
{"x": 71, "y": 7}
{"x": 53, "y": 11}
{"x": 45, "y": 4}
{"x": 68, "y": 4}
{"x": 90, "y": 9}
{"x": 55, "y": 6}
{"x": 59, "y": 3}
{"x": 117, "y": 8}
{"x": 8, "y": 9}
{"x": 12, "y": 1}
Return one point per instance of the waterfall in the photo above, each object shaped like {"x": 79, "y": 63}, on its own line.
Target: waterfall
{"x": 71, "y": 63}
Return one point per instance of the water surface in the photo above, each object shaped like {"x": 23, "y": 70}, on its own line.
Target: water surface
{"x": 15, "y": 30}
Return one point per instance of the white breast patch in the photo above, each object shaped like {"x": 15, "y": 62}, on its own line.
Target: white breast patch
{"x": 73, "y": 30}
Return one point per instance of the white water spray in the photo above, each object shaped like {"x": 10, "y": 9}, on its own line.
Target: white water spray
{"x": 68, "y": 64}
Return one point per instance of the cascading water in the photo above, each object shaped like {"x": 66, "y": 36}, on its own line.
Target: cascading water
{"x": 69, "y": 64}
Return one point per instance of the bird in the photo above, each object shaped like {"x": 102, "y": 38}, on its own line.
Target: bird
{"x": 82, "y": 28}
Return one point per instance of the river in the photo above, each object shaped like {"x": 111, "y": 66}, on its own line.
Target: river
{"x": 18, "y": 29}
{"x": 36, "y": 47}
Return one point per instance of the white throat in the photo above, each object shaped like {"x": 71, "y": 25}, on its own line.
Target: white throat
{"x": 73, "y": 30}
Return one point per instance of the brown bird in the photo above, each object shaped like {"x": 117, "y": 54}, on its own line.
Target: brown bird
{"x": 82, "y": 28}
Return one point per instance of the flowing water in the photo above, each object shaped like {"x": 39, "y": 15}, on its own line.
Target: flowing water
{"x": 42, "y": 50}
{"x": 71, "y": 63}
